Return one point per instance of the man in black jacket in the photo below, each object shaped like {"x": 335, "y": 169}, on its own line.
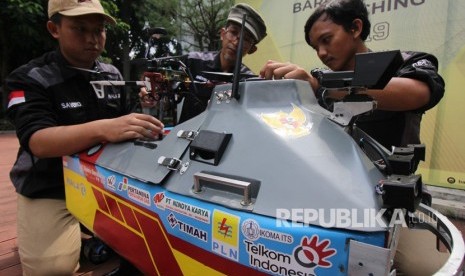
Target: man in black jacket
{"x": 337, "y": 31}
{"x": 56, "y": 112}
{"x": 222, "y": 61}
{"x": 416, "y": 87}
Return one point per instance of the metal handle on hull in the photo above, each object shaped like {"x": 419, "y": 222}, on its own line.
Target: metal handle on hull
{"x": 223, "y": 181}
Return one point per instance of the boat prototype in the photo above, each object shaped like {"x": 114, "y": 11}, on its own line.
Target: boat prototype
{"x": 265, "y": 181}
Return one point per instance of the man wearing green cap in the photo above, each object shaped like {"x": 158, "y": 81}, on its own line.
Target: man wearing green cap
{"x": 56, "y": 113}
{"x": 224, "y": 60}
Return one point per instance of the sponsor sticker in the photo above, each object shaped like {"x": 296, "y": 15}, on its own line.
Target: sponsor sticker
{"x": 123, "y": 186}
{"x": 187, "y": 228}
{"x": 91, "y": 174}
{"x": 76, "y": 184}
{"x": 163, "y": 202}
{"x": 111, "y": 182}
{"x": 252, "y": 231}
{"x": 310, "y": 254}
{"x": 138, "y": 195}
{"x": 225, "y": 235}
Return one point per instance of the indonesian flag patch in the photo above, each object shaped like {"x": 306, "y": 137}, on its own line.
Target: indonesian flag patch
{"x": 16, "y": 97}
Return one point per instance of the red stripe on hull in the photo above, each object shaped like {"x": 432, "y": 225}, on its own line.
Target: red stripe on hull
{"x": 133, "y": 248}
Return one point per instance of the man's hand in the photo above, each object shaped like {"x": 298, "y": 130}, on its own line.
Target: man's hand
{"x": 64, "y": 140}
{"x": 146, "y": 99}
{"x": 132, "y": 126}
{"x": 278, "y": 70}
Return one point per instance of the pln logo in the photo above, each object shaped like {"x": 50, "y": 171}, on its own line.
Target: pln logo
{"x": 226, "y": 228}
{"x": 225, "y": 235}
{"x": 312, "y": 253}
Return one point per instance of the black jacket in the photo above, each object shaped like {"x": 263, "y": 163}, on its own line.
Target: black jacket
{"x": 401, "y": 128}
{"x": 44, "y": 93}
{"x": 393, "y": 128}
{"x": 195, "y": 102}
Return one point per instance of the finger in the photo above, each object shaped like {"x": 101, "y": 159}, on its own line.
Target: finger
{"x": 140, "y": 117}
{"x": 136, "y": 132}
{"x": 149, "y": 122}
{"x": 281, "y": 69}
{"x": 158, "y": 124}
{"x": 261, "y": 74}
{"x": 143, "y": 92}
{"x": 149, "y": 134}
{"x": 292, "y": 71}
{"x": 130, "y": 133}
{"x": 279, "y": 72}
{"x": 298, "y": 73}
{"x": 267, "y": 70}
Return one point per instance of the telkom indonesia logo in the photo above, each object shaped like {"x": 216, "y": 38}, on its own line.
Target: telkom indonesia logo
{"x": 312, "y": 253}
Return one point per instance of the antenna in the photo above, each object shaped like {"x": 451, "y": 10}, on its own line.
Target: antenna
{"x": 237, "y": 67}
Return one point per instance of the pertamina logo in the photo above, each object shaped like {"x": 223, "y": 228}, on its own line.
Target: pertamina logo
{"x": 225, "y": 235}
{"x": 139, "y": 195}
{"x": 123, "y": 186}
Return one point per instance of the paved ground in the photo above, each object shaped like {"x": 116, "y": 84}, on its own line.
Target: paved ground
{"x": 9, "y": 258}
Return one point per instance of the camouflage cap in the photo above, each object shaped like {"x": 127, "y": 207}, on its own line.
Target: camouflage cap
{"x": 254, "y": 22}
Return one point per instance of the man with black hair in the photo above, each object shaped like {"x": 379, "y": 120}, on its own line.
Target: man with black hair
{"x": 337, "y": 31}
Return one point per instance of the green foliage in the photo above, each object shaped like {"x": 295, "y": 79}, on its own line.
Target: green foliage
{"x": 22, "y": 32}
{"x": 24, "y": 9}
{"x": 20, "y": 38}
{"x": 200, "y": 22}
{"x": 195, "y": 23}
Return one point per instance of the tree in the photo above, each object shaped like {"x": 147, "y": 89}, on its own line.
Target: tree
{"x": 200, "y": 22}
{"x": 194, "y": 23}
{"x": 19, "y": 35}
{"x": 24, "y": 36}
{"x": 20, "y": 38}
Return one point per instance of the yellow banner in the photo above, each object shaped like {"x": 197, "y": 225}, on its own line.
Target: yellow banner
{"x": 433, "y": 26}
